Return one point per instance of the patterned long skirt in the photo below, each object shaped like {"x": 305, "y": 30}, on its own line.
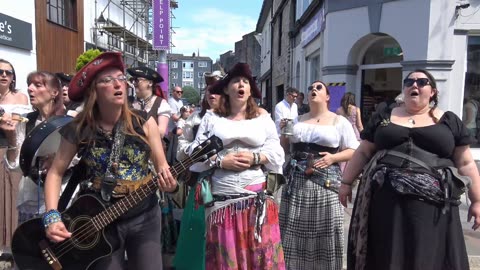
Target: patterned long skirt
{"x": 231, "y": 244}
{"x": 311, "y": 224}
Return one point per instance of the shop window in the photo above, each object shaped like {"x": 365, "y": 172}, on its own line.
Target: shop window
{"x": 62, "y": 12}
{"x": 471, "y": 101}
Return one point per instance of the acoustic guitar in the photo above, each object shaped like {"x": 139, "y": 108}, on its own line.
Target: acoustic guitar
{"x": 88, "y": 219}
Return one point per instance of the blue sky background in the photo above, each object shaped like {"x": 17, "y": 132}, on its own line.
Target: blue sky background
{"x": 212, "y": 26}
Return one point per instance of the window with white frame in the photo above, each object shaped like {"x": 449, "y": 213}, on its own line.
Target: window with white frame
{"x": 174, "y": 75}
{"x": 187, "y": 75}
{"x": 200, "y": 74}
{"x": 187, "y": 84}
{"x": 174, "y": 64}
{"x": 187, "y": 64}
{"x": 202, "y": 64}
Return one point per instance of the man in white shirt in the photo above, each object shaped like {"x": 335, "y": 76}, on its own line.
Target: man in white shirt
{"x": 175, "y": 102}
{"x": 287, "y": 108}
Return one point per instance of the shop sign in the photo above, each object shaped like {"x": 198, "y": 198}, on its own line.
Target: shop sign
{"x": 15, "y": 33}
{"x": 161, "y": 24}
{"x": 313, "y": 28}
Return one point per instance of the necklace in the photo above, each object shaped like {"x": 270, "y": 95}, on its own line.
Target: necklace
{"x": 411, "y": 121}
{"x": 106, "y": 133}
{"x": 2, "y": 97}
{"x": 144, "y": 102}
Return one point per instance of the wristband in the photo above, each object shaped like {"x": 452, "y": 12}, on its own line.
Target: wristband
{"x": 50, "y": 217}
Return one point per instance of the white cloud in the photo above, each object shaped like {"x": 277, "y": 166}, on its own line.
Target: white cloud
{"x": 213, "y": 32}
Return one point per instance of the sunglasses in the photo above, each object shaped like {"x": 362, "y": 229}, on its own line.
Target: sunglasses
{"x": 420, "y": 82}
{"x": 179, "y": 92}
{"x": 6, "y": 71}
{"x": 318, "y": 87}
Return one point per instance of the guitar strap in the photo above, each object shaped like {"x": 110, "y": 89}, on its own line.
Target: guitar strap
{"x": 78, "y": 174}
{"x": 110, "y": 180}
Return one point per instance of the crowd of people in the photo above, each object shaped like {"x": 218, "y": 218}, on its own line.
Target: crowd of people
{"x": 412, "y": 160}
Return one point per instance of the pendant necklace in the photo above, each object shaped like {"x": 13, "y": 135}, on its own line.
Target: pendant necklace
{"x": 411, "y": 121}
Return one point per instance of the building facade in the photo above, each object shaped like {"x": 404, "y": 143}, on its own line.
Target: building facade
{"x": 264, "y": 30}
{"x": 123, "y": 26}
{"x": 188, "y": 70}
{"x": 369, "y": 44}
{"x": 282, "y": 23}
{"x": 247, "y": 51}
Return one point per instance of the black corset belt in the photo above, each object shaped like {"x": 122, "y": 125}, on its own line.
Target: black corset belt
{"x": 301, "y": 151}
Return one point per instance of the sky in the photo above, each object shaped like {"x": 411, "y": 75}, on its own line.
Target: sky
{"x": 212, "y": 26}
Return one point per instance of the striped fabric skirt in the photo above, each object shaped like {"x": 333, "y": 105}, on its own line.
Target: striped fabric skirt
{"x": 311, "y": 223}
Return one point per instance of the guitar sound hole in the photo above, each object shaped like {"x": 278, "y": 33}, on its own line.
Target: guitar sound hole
{"x": 84, "y": 234}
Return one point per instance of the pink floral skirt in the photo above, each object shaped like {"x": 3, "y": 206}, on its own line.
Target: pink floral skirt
{"x": 231, "y": 244}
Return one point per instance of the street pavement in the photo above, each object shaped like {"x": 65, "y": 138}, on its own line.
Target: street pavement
{"x": 472, "y": 238}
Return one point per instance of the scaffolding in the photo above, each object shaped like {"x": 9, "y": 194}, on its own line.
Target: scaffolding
{"x": 134, "y": 45}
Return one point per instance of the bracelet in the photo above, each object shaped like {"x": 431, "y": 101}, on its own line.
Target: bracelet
{"x": 256, "y": 158}
{"x": 218, "y": 161}
{"x": 346, "y": 183}
{"x": 50, "y": 217}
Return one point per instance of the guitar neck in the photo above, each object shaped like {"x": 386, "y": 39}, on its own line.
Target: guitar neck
{"x": 113, "y": 212}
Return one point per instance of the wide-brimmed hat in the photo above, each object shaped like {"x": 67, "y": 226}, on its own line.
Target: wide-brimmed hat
{"x": 65, "y": 77}
{"x": 145, "y": 72}
{"x": 212, "y": 77}
{"x": 240, "y": 69}
{"x": 85, "y": 76}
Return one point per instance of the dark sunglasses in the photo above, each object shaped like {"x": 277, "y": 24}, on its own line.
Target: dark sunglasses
{"x": 180, "y": 92}
{"x": 318, "y": 87}
{"x": 6, "y": 71}
{"x": 420, "y": 82}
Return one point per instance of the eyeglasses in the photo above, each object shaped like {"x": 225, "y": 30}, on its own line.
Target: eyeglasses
{"x": 6, "y": 71}
{"x": 110, "y": 79}
{"x": 293, "y": 96}
{"x": 420, "y": 82}
{"x": 137, "y": 80}
{"x": 318, "y": 87}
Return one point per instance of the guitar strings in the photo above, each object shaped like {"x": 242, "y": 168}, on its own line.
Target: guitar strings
{"x": 67, "y": 245}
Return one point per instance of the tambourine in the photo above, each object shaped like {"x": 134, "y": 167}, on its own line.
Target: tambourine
{"x": 42, "y": 141}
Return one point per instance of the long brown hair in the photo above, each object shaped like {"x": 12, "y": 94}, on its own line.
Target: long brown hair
{"x": 433, "y": 84}
{"x": 347, "y": 99}
{"x": 87, "y": 119}
{"x": 52, "y": 83}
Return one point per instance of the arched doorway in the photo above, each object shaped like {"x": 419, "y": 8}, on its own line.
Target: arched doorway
{"x": 379, "y": 74}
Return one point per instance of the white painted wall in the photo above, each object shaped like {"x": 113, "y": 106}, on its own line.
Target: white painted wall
{"x": 23, "y": 61}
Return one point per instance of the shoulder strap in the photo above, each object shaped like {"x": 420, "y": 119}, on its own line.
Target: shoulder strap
{"x": 154, "y": 110}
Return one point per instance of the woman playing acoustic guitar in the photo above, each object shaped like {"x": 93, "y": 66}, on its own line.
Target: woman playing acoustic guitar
{"x": 96, "y": 134}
